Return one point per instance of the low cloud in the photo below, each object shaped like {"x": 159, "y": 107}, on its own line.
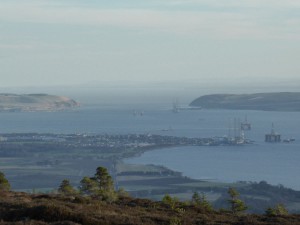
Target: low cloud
{"x": 270, "y": 4}
{"x": 260, "y": 24}
{"x": 14, "y": 46}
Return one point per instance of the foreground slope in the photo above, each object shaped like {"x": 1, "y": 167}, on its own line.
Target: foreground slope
{"x": 35, "y": 102}
{"x": 280, "y": 101}
{"x": 22, "y": 208}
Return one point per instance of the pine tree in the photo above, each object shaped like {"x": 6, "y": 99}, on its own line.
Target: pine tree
{"x": 237, "y": 205}
{"x": 196, "y": 199}
{"x": 88, "y": 186}
{"x": 201, "y": 201}
{"x": 103, "y": 179}
{"x": 101, "y": 185}
{"x": 206, "y": 204}
{"x": 105, "y": 185}
{"x": 66, "y": 188}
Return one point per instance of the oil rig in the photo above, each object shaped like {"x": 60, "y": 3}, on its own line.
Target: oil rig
{"x": 238, "y": 136}
{"x": 245, "y": 125}
{"x": 273, "y": 137}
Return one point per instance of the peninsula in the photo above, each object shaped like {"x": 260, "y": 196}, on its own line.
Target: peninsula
{"x": 35, "y": 102}
{"x": 38, "y": 162}
{"x": 277, "y": 101}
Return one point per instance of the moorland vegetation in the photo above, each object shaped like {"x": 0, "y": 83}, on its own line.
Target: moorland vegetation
{"x": 96, "y": 201}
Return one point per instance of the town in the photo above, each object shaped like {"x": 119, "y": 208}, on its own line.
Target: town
{"x": 105, "y": 142}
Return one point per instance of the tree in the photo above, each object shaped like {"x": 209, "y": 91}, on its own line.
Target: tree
{"x": 103, "y": 179}
{"x": 237, "y": 205}
{"x": 66, "y": 188}
{"x": 196, "y": 199}
{"x": 105, "y": 185}
{"x": 4, "y": 184}
{"x": 101, "y": 185}
{"x": 88, "y": 186}
{"x": 201, "y": 201}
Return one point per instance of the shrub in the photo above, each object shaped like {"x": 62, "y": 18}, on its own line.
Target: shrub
{"x": 167, "y": 199}
{"x": 278, "y": 210}
{"x": 4, "y": 184}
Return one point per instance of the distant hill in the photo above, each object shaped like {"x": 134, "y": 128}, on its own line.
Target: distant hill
{"x": 35, "y": 102}
{"x": 279, "y": 101}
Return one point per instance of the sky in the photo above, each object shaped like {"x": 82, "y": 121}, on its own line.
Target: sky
{"x": 205, "y": 43}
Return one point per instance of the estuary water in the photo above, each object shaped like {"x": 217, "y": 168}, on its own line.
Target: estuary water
{"x": 274, "y": 163}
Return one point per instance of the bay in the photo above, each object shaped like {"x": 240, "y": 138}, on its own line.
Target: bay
{"x": 274, "y": 163}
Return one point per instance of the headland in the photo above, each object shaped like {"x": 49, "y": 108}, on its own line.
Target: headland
{"x": 277, "y": 101}
{"x": 35, "y": 102}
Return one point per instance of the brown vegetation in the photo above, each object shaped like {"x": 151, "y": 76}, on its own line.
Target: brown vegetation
{"x": 22, "y": 208}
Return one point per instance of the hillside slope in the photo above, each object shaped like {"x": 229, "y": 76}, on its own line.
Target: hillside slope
{"x": 22, "y": 208}
{"x": 280, "y": 101}
{"x": 35, "y": 102}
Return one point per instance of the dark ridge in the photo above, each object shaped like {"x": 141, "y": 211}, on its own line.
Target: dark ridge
{"x": 277, "y": 101}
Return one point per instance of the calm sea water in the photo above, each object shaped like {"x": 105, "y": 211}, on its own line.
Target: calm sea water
{"x": 274, "y": 163}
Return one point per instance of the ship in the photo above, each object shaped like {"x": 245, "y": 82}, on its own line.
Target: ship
{"x": 288, "y": 140}
{"x": 175, "y": 106}
{"x": 136, "y": 113}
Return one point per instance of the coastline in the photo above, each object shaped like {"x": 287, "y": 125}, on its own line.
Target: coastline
{"x": 47, "y": 159}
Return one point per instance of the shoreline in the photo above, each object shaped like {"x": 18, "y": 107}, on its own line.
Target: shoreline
{"x": 47, "y": 159}
{"x": 193, "y": 152}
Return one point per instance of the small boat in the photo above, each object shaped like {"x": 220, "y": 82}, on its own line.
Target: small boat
{"x": 288, "y": 140}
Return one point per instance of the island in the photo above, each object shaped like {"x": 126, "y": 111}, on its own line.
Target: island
{"x": 276, "y": 101}
{"x": 35, "y": 102}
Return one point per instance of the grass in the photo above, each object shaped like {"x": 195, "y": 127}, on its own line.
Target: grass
{"x": 203, "y": 184}
{"x": 188, "y": 196}
{"x": 144, "y": 188}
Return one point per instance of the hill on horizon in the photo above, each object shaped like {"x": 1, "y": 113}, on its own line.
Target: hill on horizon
{"x": 35, "y": 102}
{"x": 277, "y": 101}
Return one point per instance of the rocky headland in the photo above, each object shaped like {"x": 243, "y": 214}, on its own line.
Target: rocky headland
{"x": 35, "y": 102}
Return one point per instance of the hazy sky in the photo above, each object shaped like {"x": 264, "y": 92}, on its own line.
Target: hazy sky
{"x": 71, "y": 42}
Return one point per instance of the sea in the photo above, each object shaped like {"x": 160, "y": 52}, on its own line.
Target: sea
{"x": 275, "y": 163}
